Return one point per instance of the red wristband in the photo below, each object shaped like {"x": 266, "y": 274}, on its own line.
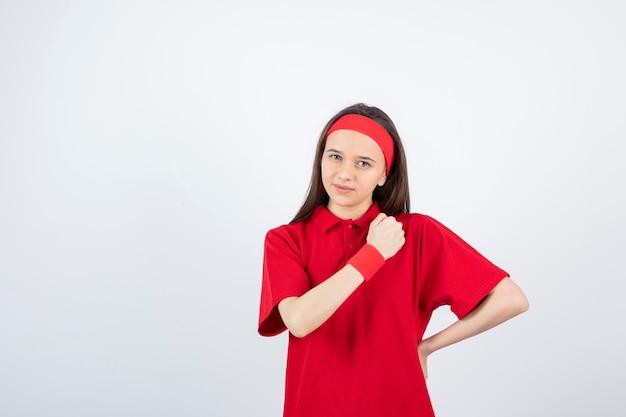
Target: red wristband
{"x": 367, "y": 261}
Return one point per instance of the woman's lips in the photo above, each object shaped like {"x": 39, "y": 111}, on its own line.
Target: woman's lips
{"x": 342, "y": 189}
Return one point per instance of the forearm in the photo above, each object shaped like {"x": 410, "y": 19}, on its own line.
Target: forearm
{"x": 306, "y": 313}
{"x": 504, "y": 302}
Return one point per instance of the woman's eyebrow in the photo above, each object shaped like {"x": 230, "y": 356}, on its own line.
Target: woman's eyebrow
{"x": 333, "y": 150}
{"x": 366, "y": 158}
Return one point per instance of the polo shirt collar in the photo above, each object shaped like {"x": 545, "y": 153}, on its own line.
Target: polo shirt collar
{"x": 324, "y": 219}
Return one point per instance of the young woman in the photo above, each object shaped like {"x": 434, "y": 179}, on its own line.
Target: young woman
{"x": 355, "y": 278}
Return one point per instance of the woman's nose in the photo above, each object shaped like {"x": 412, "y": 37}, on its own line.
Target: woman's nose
{"x": 346, "y": 172}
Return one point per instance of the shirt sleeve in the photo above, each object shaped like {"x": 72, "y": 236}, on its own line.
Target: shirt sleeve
{"x": 453, "y": 273}
{"x": 284, "y": 276}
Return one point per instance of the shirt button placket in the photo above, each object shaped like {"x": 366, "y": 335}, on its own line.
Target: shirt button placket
{"x": 350, "y": 239}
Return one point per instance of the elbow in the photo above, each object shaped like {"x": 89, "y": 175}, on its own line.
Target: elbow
{"x": 299, "y": 333}
{"x": 522, "y": 306}
{"x": 519, "y": 302}
{"x": 297, "y": 326}
{"x": 511, "y": 298}
{"x": 298, "y": 330}
{"x": 295, "y": 319}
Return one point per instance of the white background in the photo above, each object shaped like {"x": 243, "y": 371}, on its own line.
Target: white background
{"x": 146, "y": 148}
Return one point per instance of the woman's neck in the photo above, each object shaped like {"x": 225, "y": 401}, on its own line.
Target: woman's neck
{"x": 349, "y": 212}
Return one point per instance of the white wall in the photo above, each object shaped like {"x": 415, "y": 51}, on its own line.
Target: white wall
{"x": 146, "y": 148}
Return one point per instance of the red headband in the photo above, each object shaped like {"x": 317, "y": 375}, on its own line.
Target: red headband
{"x": 368, "y": 127}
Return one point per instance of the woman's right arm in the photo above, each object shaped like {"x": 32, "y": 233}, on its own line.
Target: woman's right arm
{"x": 302, "y": 315}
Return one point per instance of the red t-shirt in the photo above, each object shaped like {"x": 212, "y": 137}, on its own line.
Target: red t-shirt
{"x": 363, "y": 360}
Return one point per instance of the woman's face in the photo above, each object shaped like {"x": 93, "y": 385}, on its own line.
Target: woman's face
{"x": 352, "y": 166}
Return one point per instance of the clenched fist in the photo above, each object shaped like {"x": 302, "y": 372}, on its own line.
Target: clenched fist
{"x": 386, "y": 235}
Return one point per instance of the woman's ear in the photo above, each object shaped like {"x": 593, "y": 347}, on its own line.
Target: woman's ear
{"x": 382, "y": 180}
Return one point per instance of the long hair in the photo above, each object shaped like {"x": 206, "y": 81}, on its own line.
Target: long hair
{"x": 393, "y": 197}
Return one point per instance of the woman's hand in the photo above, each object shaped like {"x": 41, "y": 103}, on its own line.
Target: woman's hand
{"x": 423, "y": 353}
{"x": 386, "y": 235}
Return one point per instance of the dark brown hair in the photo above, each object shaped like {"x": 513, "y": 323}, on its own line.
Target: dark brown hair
{"x": 393, "y": 197}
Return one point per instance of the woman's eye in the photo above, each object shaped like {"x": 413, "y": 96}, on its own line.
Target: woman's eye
{"x": 363, "y": 164}
{"x": 335, "y": 157}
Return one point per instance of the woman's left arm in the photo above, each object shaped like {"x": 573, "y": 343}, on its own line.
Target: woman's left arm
{"x": 505, "y": 301}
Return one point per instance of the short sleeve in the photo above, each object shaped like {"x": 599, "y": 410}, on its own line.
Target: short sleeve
{"x": 453, "y": 273}
{"x": 284, "y": 276}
